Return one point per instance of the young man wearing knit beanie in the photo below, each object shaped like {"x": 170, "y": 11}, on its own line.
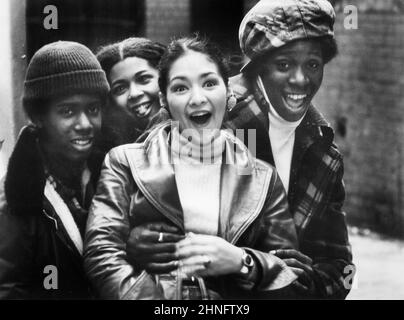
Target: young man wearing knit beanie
{"x": 51, "y": 176}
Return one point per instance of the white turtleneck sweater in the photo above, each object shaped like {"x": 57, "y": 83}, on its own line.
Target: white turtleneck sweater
{"x": 197, "y": 175}
{"x": 282, "y": 137}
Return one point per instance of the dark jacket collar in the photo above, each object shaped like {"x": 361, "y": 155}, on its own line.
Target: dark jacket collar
{"x": 314, "y": 127}
{"x": 25, "y": 178}
{"x": 253, "y": 113}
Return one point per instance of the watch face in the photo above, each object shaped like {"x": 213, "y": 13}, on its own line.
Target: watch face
{"x": 248, "y": 260}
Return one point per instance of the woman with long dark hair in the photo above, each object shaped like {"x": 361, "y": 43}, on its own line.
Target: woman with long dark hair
{"x": 225, "y": 209}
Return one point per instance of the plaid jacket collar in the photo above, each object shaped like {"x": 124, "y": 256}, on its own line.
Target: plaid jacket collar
{"x": 247, "y": 89}
{"x": 252, "y": 113}
{"x": 313, "y": 127}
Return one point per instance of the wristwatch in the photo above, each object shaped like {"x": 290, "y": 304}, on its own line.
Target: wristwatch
{"x": 248, "y": 263}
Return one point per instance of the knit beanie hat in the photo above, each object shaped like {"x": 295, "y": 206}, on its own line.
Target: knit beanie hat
{"x": 61, "y": 68}
{"x": 271, "y": 24}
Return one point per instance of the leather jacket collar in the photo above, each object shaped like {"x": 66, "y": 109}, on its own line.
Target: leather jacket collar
{"x": 244, "y": 182}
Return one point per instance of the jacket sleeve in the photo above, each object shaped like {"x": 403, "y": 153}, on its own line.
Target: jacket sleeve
{"x": 276, "y": 231}
{"x": 17, "y": 273}
{"x": 108, "y": 229}
{"x": 325, "y": 240}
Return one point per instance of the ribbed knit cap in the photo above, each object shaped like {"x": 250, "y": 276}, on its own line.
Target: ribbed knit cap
{"x": 63, "y": 67}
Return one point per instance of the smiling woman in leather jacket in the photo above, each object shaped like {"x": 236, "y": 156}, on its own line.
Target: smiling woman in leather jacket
{"x": 228, "y": 208}
{"x": 51, "y": 176}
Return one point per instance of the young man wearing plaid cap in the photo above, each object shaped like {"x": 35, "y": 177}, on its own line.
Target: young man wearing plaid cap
{"x": 287, "y": 43}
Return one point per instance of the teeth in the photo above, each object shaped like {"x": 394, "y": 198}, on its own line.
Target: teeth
{"x": 297, "y": 96}
{"x": 143, "y": 105}
{"x": 81, "y": 142}
{"x": 140, "y": 107}
{"x": 142, "y": 110}
{"x": 200, "y": 117}
{"x": 199, "y": 113}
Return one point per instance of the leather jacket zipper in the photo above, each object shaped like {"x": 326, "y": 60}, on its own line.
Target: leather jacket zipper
{"x": 244, "y": 227}
{"x": 249, "y": 221}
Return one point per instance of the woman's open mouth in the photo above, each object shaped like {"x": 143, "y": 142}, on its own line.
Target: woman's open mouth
{"x": 141, "y": 110}
{"x": 200, "y": 118}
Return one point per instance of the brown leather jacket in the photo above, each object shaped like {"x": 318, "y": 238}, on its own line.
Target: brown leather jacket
{"x": 137, "y": 186}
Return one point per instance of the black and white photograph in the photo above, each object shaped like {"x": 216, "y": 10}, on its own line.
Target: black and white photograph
{"x": 202, "y": 150}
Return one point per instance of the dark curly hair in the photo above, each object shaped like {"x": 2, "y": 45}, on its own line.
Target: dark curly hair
{"x": 147, "y": 49}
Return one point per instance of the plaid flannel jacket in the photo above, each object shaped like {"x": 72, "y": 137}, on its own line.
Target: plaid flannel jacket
{"x": 316, "y": 192}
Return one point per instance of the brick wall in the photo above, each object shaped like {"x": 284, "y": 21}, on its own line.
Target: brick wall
{"x": 165, "y": 19}
{"x": 363, "y": 98}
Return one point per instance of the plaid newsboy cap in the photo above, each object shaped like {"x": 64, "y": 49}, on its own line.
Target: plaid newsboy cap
{"x": 270, "y": 24}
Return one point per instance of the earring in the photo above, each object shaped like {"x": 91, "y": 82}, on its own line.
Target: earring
{"x": 231, "y": 100}
{"x": 162, "y": 100}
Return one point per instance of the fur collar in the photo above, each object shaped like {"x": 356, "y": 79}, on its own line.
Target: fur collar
{"x": 25, "y": 178}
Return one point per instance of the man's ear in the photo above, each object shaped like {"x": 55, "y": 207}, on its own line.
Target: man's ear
{"x": 37, "y": 121}
{"x": 163, "y": 100}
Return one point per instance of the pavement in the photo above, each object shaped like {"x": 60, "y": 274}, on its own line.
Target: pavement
{"x": 380, "y": 266}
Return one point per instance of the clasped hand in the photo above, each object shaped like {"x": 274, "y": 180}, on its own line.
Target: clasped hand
{"x": 301, "y": 265}
{"x": 160, "y": 248}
